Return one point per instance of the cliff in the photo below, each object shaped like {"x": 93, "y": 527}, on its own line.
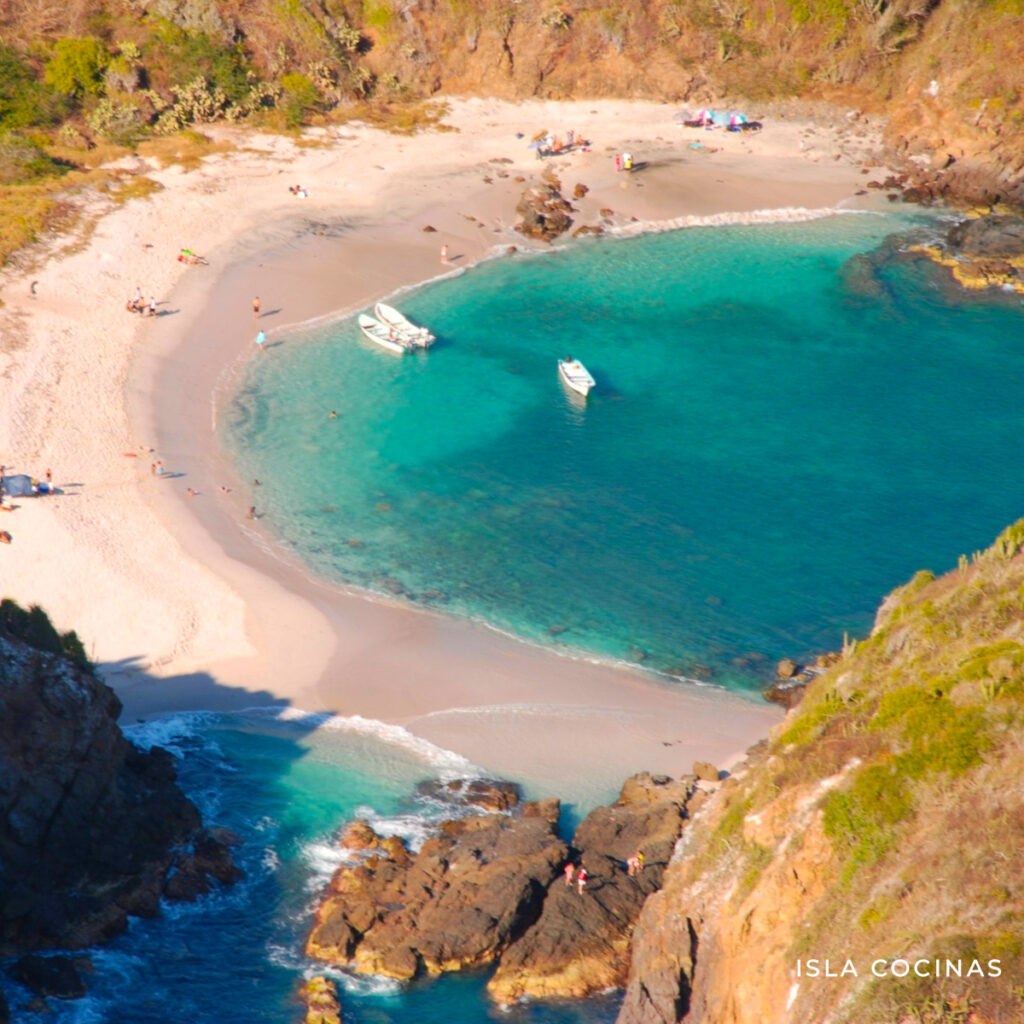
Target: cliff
{"x": 882, "y": 823}
{"x": 92, "y": 829}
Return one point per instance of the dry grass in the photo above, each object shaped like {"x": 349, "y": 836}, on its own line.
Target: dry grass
{"x": 185, "y": 149}
{"x": 405, "y": 118}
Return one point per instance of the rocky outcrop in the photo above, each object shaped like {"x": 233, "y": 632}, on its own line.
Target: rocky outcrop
{"x": 580, "y": 943}
{"x": 92, "y": 829}
{"x": 469, "y": 892}
{"x": 544, "y": 212}
{"x": 983, "y": 252}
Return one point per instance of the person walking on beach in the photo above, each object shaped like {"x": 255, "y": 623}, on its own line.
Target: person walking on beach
{"x": 581, "y": 880}
{"x": 252, "y": 512}
{"x": 618, "y": 162}
{"x": 570, "y": 870}
{"x": 261, "y": 340}
{"x": 256, "y": 308}
{"x": 444, "y": 253}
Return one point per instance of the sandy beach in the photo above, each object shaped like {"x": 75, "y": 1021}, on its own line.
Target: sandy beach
{"x": 184, "y": 602}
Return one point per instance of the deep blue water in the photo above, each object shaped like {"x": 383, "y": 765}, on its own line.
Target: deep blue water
{"x": 783, "y": 430}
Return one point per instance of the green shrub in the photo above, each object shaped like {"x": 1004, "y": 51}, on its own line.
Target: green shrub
{"x": 33, "y": 626}
{"x": 24, "y": 100}
{"x": 860, "y": 817}
{"x": 300, "y": 98}
{"x": 77, "y": 66}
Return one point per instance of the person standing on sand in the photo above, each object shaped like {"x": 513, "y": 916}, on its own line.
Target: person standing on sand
{"x": 618, "y": 162}
{"x": 261, "y": 340}
{"x": 581, "y": 880}
{"x": 444, "y": 253}
{"x": 569, "y": 872}
{"x": 256, "y": 308}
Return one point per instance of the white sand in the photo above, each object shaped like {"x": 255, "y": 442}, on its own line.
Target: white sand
{"x": 186, "y": 604}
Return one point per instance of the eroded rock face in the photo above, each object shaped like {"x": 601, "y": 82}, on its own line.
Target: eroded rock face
{"x": 580, "y": 944}
{"x": 459, "y": 902}
{"x": 90, "y": 826}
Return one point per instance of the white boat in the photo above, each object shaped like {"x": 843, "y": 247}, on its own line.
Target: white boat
{"x": 576, "y": 375}
{"x": 383, "y": 335}
{"x": 403, "y": 327}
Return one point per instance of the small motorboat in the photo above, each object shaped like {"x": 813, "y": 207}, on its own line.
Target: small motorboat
{"x": 403, "y": 327}
{"x": 576, "y": 375}
{"x": 383, "y": 335}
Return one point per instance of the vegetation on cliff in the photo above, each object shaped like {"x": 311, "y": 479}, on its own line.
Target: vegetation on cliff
{"x": 883, "y": 821}
{"x": 86, "y": 77}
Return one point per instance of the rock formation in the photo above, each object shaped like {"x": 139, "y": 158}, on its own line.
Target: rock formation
{"x": 91, "y": 827}
{"x": 544, "y": 211}
{"x": 580, "y": 943}
{"x": 983, "y": 252}
{"x": 459, "y": 902}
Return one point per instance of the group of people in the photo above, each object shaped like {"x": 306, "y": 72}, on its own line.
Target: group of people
{"x": 137, "y": 304}
{"x": 552, "y": 145}
{"x": 579, "y": 876}
{"x": 623, "y": 161}
{"x": 298, "y": 190}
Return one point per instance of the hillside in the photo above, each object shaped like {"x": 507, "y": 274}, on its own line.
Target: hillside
{"x": 79, "y": 79}
{"x": 883, "y": 821}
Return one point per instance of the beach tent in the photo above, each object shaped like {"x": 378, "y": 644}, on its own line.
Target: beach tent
{"x": 21, "y": 485}
{"x": 719, "y": 118}
{"x": 736, "y": 119}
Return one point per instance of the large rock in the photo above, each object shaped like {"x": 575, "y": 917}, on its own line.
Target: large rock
{"x": 580, "y": 944}
{"x": 471, "y": 890}
{"x": 55, "y": 976}
{"x": 487, "y": 794}
{"x": 544, "y": 212}
{"x": 90, "y": 826}
{"x": 983, "y": 252}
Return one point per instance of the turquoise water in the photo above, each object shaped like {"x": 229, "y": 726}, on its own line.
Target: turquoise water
{"x": 787, "y": 424}
{"x": 284, "y": 783}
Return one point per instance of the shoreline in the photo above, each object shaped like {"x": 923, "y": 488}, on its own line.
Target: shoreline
{"x": 505, "y": 704}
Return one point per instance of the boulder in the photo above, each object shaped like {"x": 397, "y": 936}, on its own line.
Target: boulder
{"x": 983, "y": 252}
{"x": 787, "y": 668}
{"x": 579, "y": 190}
{"x": 55, "y": 976}
{"x": 588, "y": 229}
{"x": 580, "y": 943}
{"x": 544, "y": 212}
{"x": 321, "y": 998}
{"x": 487, "y": 794}
{"x": 359, "y": 836}
{"x": 706, "y": 771}
{"x": 472, "y": 889}
{"x": 786, "y": 692}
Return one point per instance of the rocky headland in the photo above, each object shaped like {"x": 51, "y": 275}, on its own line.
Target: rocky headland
{"x": 491, "y": 887}
{"x": 93, "y": 830}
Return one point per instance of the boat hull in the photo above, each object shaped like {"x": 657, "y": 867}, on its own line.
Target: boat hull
{"x": 575, "y": 376}
{"x": 379, "y": 334}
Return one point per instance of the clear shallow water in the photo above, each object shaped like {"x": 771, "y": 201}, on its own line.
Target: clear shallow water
{"x": 285, "y": 784}
{"x": 785, "y": 428}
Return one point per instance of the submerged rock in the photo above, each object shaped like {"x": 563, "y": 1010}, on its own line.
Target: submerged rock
{"x": 460, "y": 902}
{"x": 487, "y": 794}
